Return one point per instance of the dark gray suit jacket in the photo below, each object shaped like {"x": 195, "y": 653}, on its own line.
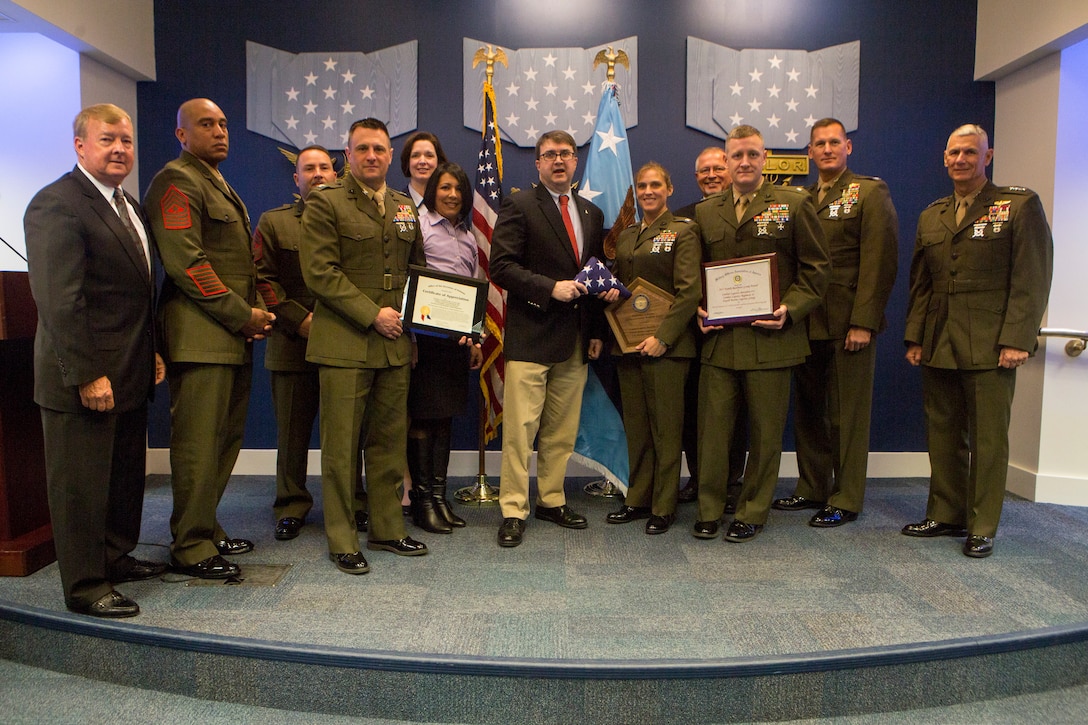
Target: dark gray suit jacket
{"x": 94, "y": 297}
{"x": 530, "y": 251}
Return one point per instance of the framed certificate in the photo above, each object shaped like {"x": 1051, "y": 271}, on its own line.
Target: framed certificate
{"x": 440, "y": 303}
{"x": 738, "y": 291}
{"x": 634, "y": 319}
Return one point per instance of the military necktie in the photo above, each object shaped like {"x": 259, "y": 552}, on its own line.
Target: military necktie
{"x": 824, "y": 188}
{"x": 741, "y": 206}
{"x": 961, "y": 211}
{"x": 379, "y": 199}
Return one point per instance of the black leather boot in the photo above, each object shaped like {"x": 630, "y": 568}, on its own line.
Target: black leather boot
{"x": 438, "y": 483}
{"x": 442, "y": 506}
{"x": 421, "y": 468}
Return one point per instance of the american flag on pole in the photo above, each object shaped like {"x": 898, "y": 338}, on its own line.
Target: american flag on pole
{"x": 486, "y": 198}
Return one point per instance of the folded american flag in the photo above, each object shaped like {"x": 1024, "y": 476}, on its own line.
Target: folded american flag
{"x": 598, "y": 278}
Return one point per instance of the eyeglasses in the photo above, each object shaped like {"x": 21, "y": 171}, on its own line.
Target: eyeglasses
{"x": 719, "y": 170}
{"x": 565, "y": 154}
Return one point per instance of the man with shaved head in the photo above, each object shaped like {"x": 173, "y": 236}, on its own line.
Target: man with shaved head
{"x": 210, "y": 314}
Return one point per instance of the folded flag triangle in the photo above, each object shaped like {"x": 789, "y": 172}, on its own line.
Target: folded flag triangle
{"x": 599, "y": 278}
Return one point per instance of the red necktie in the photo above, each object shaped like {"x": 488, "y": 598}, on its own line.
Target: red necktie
{"x": 564, "y": 202}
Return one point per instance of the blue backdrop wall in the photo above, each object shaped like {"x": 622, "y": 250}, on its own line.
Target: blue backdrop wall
{"x": 916, "y": 85}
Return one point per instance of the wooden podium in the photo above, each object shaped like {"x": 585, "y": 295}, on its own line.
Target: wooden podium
{"x": 26, "y": 536}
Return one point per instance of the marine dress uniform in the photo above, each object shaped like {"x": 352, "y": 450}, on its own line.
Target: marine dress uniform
{"x": 355, "y": 262}
{"x": 834, "y": 386}
{"x": 746, "y": 365}
{"x": 202, "y": 231}
{"x": 975, "y": 287}
{"x": 666, "y": 254}
{"x": 295, "y": 391}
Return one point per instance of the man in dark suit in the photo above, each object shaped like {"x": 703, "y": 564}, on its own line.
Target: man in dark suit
{"x": 979, "y": 284}
{"x": 211, "y": 314}
{"x": 95, "y": 364}
{"x": 833, "y": 394}
{"x": 542, "y": 238}
{"x": 750, "y": 363}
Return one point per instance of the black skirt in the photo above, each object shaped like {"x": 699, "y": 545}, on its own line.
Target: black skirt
{"x": 439, "y": 387}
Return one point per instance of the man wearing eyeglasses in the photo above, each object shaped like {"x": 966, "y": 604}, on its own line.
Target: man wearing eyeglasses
{"x": 542, "y": 238}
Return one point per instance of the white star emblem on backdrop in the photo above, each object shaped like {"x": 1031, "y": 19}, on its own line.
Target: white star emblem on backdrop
{"x": 778, "y": 90}
{"x": 550, "y": 88}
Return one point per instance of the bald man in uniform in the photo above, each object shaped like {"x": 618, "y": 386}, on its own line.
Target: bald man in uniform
{"x": 211, "y": 314}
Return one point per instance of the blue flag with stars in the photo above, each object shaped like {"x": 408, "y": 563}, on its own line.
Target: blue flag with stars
{"x": 608, "y": 173}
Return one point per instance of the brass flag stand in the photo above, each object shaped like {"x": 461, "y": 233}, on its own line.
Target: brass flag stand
{"x": 482, "y": 493}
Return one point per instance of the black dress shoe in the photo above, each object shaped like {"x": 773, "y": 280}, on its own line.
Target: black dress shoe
{"x": 234, "y": 547}
{"x": 510, "y": 532}
{"x": 362, "y": 520}
{"x": 401, "y": 547}
{"x": 660, "y": 524}
{"x": 739, "y": 531}
{"x": 627, "y": 514}
{"x": 113, "y": 605}
{"x": 796, "y": 503}
{"x": 353, "y": 563}
{"x": 930, "y": 528}
{"x": 978, "y": 547}
{"x": 288, "y": 527}
{"x": 134, "y": 570}
{"x": 563, "y": 516}
{"x": 831, "y": 516}
{"x": 688, "y": 493}
{"x": 705, "y": 530}
{"x": 214, "y": 567}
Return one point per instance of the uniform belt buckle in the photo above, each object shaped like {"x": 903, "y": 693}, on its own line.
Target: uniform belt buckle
{"x": 387, "y": 282}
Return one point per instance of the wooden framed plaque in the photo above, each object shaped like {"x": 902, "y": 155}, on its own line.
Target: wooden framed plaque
{"x": 639, "y": 316}
{"x": 440, "y": 303}
{"x": 739, "y": 291}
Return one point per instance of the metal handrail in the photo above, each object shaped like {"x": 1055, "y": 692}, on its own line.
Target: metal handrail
{"x": 1074, "y": 347}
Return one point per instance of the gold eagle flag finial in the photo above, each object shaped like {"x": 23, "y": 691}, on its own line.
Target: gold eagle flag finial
{"x": 489, "y": 56}
{"x": 611, "y": 57}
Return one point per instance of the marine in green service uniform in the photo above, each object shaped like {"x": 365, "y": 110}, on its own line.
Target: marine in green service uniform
{"x": 664, "y": 251}
{"x": 979, "y": 284}
{"x": 210, "y": 314}
{"x": 833, "y": 388}
{"x": 358, "y": 239}
{"x": 294, "y": 381}
{"x": 749, "y": 364}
